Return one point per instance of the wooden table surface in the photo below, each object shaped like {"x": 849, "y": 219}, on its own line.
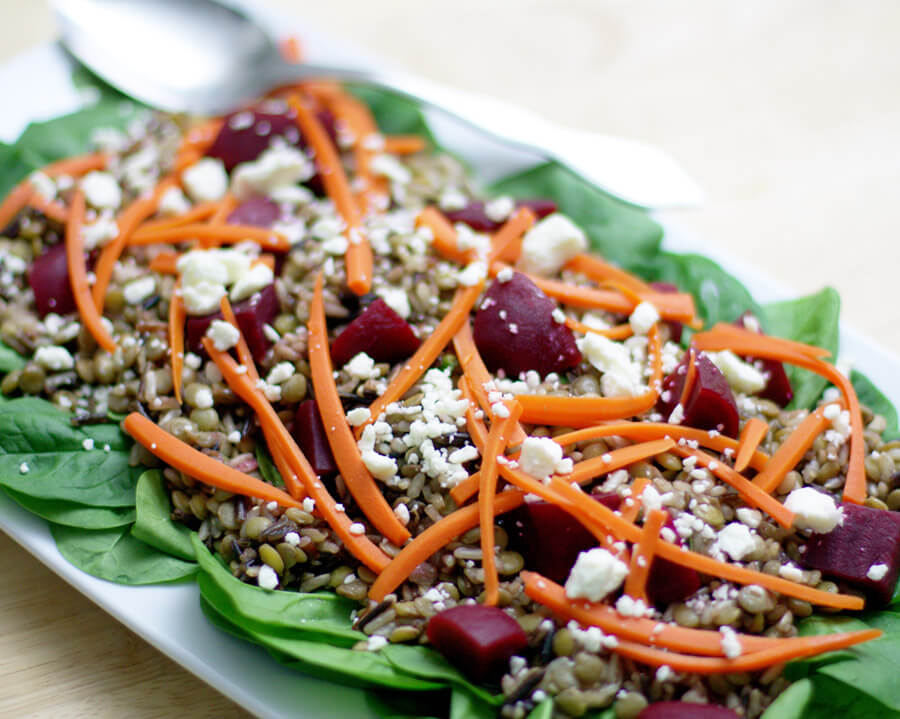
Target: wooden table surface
{"x": 787, "y": 113}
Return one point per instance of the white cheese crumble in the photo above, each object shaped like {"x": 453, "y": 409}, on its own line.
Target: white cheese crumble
{"x": 24, "y": 468}
{"x": 277, "y": 167}
{"x": 357, "y": 529}
{"x": 101, "y": 190}
{"x": 292, "y": 538}
{"x": 472, "y": 274}
{"x": 813, "y": 510}
{"x": 750, "y": 517}
{"x": 736, "y": 540}
{"x": 549, "y": 244}
{"x": 202, "y": 298}
{"x": 395, "y": 298}
{"x": 390, "y": 167}
{"x": 174, "y": 202}
{"x": 136, "y": 291}
{"x": 541, "y": 457}
{"x": 223, "y": 334}
{"x": 358, "y": 416}
{"x": 53, "y": 358}
{"x": 621, "y": 376}
{"x": 87, "y": 444}
{"x": 596, "y": 574}
{"x": 376, "y": 642}
{"x": 98, "y": 233}
{"x": 500, "y": 208}
{"x": 267, "y": 578}
{"x": 877, "y": 572}
{"x": 401, "y": 512}
{"x": 731, "y": 645}
{"x": 234, "y": 436}
{"x": 742, "y": 376}
{"x": 280, "y": 373}
{"x": 203, "y": 399}
{"x": 452, "y": 199}
{"x": 644, "y": 316}
{"x": 258, "y": 277}
{"x": 309, "y": 504}
{"x": 43, "y": 185}
{"x": 206, "y": 180}
{"x": 336, "y": 245}
{"x": 362, "y": 367}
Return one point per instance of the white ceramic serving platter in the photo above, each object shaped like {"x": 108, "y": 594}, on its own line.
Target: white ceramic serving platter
{"x": 36, "y": 85}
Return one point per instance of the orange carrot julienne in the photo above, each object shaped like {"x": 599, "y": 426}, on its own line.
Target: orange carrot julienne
{"x": 752, "y": 434}
{"x": 78, "y": 275}
{"x": 184, "y": 458}
{"x": 751, "y": 493}
{"x": 340, "y": 437}
{"x": 291, "y": 49}
{"x": 49, "y": 208}
{"x": 177, "y": 318}
{"x": 656, "y": 430}
{"x": 444, "y": 239}
{"x": 197, "y": 213}
{"x": 165, "y": 263}
{"x": 77, "y": 165}
{"x": 630, "y": 509}
{"x": 619, "y": 332}
{"x": 596, "y": 269}
{"x": 428, "y": 351}
{"x": 198, "y": 140}
{"x": 588, "y": 469}
{"x": 226, "y": 234}
{"x": 689, "y": 378}
{"x": 642, "y": 556}
{"x": 358, "y": 545}
{"x": 403, "y": 144}
{"x": 507, "y": 241}
{"x": 792, "y": 450}
{"x": 437, "y": 536}
{"x": 15, "y": 202}
{"x": 226, "y": 206}
{"x": 358, "y": 258}
{"x": 493, "y": 447}
{"x": 720, "y": 333}
{"x": 245, "y": 356}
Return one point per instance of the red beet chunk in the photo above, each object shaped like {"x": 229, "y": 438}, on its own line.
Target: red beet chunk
{"x": 475, "y": 217}
{"x": 251, "y": 314}
{"x": 379, "y": 332}
{"x": 686, "y": 710}
{"x": 309, "y": 432}
{"x": 669, "y": 582}
{"x": 247, "y": 133}
{"x": 515, "y": 331}
{"x": 675, "y": 328}
{"x": 478, "y": 639}
{"x": 778, "y": 387}
{"x": 608, "y": 499}
{"x": 49, "y": 279}
{"x": 255, "y": 212}
{"x": 551, "y": 539}
{"x": 867, "y": 537}
{"x": 710, "y": 404}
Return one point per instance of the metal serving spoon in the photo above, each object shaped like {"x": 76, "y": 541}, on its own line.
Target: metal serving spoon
{"x": 204, "y": 57}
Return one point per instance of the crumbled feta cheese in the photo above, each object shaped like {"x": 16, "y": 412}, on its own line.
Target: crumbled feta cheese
{"x": 463, "y": 455}
{"x": 98, "y": 233}
{"x": 272, "y": 392}
{"x": 621, "y": 377}
{"x": 376, "y": 642}
{"x": 192, "y": 360}
{"x": 540, "y": 457}
{"x": 101, "y": 190}
{"x": 645, "y": 315}
{"x": 677, "y": 415}
{"x": 651, "y": 498}
{"x": 277, "y": 167}
{"x": 549, "y": 244}
{"x": 742, "y": 376}
{"x": 813, "y": 510}
{"x": 309, "y": 504}
{"x": 292, "y": 538}
{"x": 791, "y": 573}
{"x": 472, "y": 274}
{"x": 452, "y": 199}
{"x": 750, "y": 517}
{"x": 43, "y": 185}
{"x": 357, "y": 528}
{"x": 206, "y": 180}
{"x": 500, "y": 208}
{"x": 202, "y": 298}
{"x": 53, "y": 358}
{"x": 390, "y": 167}
{"x": 358, "y": 416}
{"x": 203, "y": 399}
{"x": 629, "y": 607}
{"x": 736, "y": 540}
{"x": 174, "y": 202}
{"x": 395, "y": 298}
{"x": 336, "y": 245}
{"x": 87, "y": 444}
{"x": 832, "y": 412}
{"x": 401, "y": 512}
{"x": 267, "y": 578}
{"x": 280, "y": 373}
{"x": 877, "y": 572}
{"x": 136, "y": 291}
{"x": 258, "y": 277}
{"x": 224, "y": 335}
{"x": 664, "y": 673}
{"x": 731, "y": 645}
{"x": 505, "y": 275}
{"x": 380, "y": 466}
{"x": 362, "y": 367}
{"x": 234, "y": 436}
{"x": 596, "y": 574}
{"x": 24, "y": 468}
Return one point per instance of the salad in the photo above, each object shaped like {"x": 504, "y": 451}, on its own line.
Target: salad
{"x": 421, "y": 437}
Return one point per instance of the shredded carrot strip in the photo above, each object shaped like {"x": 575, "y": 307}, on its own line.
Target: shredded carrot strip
{"x": 245, "y": 356}
{"x": 583, "y": 472}
{"x": 791, "y": 451}
{"x": 197, "y": 213}
{"x": 15, "y": 202}
{"x": 50, "y": 208}
{"x": 642, "y": 556}
{"x": 744, "y": 342}
{"x": 630, "y": 509}
{"x": 444, "y": 239}
{"x": 689, "y": 378}
{"x": 754, "y": 432}
{"x": 127, "y": 221}
{"x": 358, "y": 545}
{"x": 184, "y": 458}
{"x": 340, "y": 437}
{"x": 184, "y": 160}
{"x": 751, "y": 493}
{"x": 428, "y": 351}
{"x": 619, "y": 332}
{"x": 76, "y": 166}
{"x": 177, "y": 317}
{"x": 655, "y": 430}
{"x": 291, "y": 49}
{"x": 493, "y": 447}
{"x": 198, "y": 140}
{"x": 358, "y": 257}
{"x": 635, "y": 634}
{"x": 507, "y": 241}
{"x": 586, "y": 411}
{"x": 78, "y": 275}
{"x": 165, "y": 263}
{"x": 403, "y": 144}
{"x": 596, "y": 269}
{"x": 438, "y": 535}
{"x": 476, "y": 372}
{"x": 268, "y": 239}
{"x": 226, "y": 206}
{"x": 477, "y": 430}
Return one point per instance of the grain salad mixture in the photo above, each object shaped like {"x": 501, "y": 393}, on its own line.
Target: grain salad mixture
{"x": 358, "y": 374}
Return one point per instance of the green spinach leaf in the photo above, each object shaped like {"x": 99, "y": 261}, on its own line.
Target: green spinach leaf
{"x": 544, "y": 710}
{"x": 9, "y": 359}
{"x": 394, "y": 114}
{"x": 872, "y": 397}
{"x": 154, "y": 525}
{"x": 465, "y": 705}
{"x": 74, "y": 515}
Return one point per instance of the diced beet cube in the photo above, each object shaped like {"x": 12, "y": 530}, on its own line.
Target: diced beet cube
{"x": 252, "y": 315}
{"x": 710, "y": 404}
{"x": 866, "y": 538}
{"x": 379, "y": 332}
{"x": 475, "y": 216}
{"x": 255, "y": 212}
{"x": 247, "y": 133}
{"x": 476, "y": 638}
{"x": 309, "y": 433}
{"x": 676, "y": 329}
{"x": 514, "y": 330}
{"x": 612, "y": 500}
{"x": 668, "y": 582}
{"x": 48, "y": 277}
{"x": 686, "y": 710}
{"x": 778, "y": 387}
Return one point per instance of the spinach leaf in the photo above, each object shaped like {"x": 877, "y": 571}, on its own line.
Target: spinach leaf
{"x": 72, "y": 514}
{"x": 115, "y": 555}
{"x": 325, "y": 615}
{"x": 832, "y": 699}
{"x": 36, "y": 434}
{"x": 12, "y": 169}
{"x": 719, "y": 296}
{"x": 814, "y": 320}
{"x": 792, "y": 702}
{"x": 621, "y": 233}
{"x": 389, "y": 705}
{"x": 394, "y": 114}
{"x": 267, "y": 467}
{"x": 544, "y": 710}
{"x": 464, "y": 705}
{"x": 871, "y": 397}
{"x": 9, "y": 359}
{"x": 154, "y": 525}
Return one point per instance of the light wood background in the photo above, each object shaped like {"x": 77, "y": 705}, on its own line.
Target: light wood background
{"x": 787, "y": 113}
